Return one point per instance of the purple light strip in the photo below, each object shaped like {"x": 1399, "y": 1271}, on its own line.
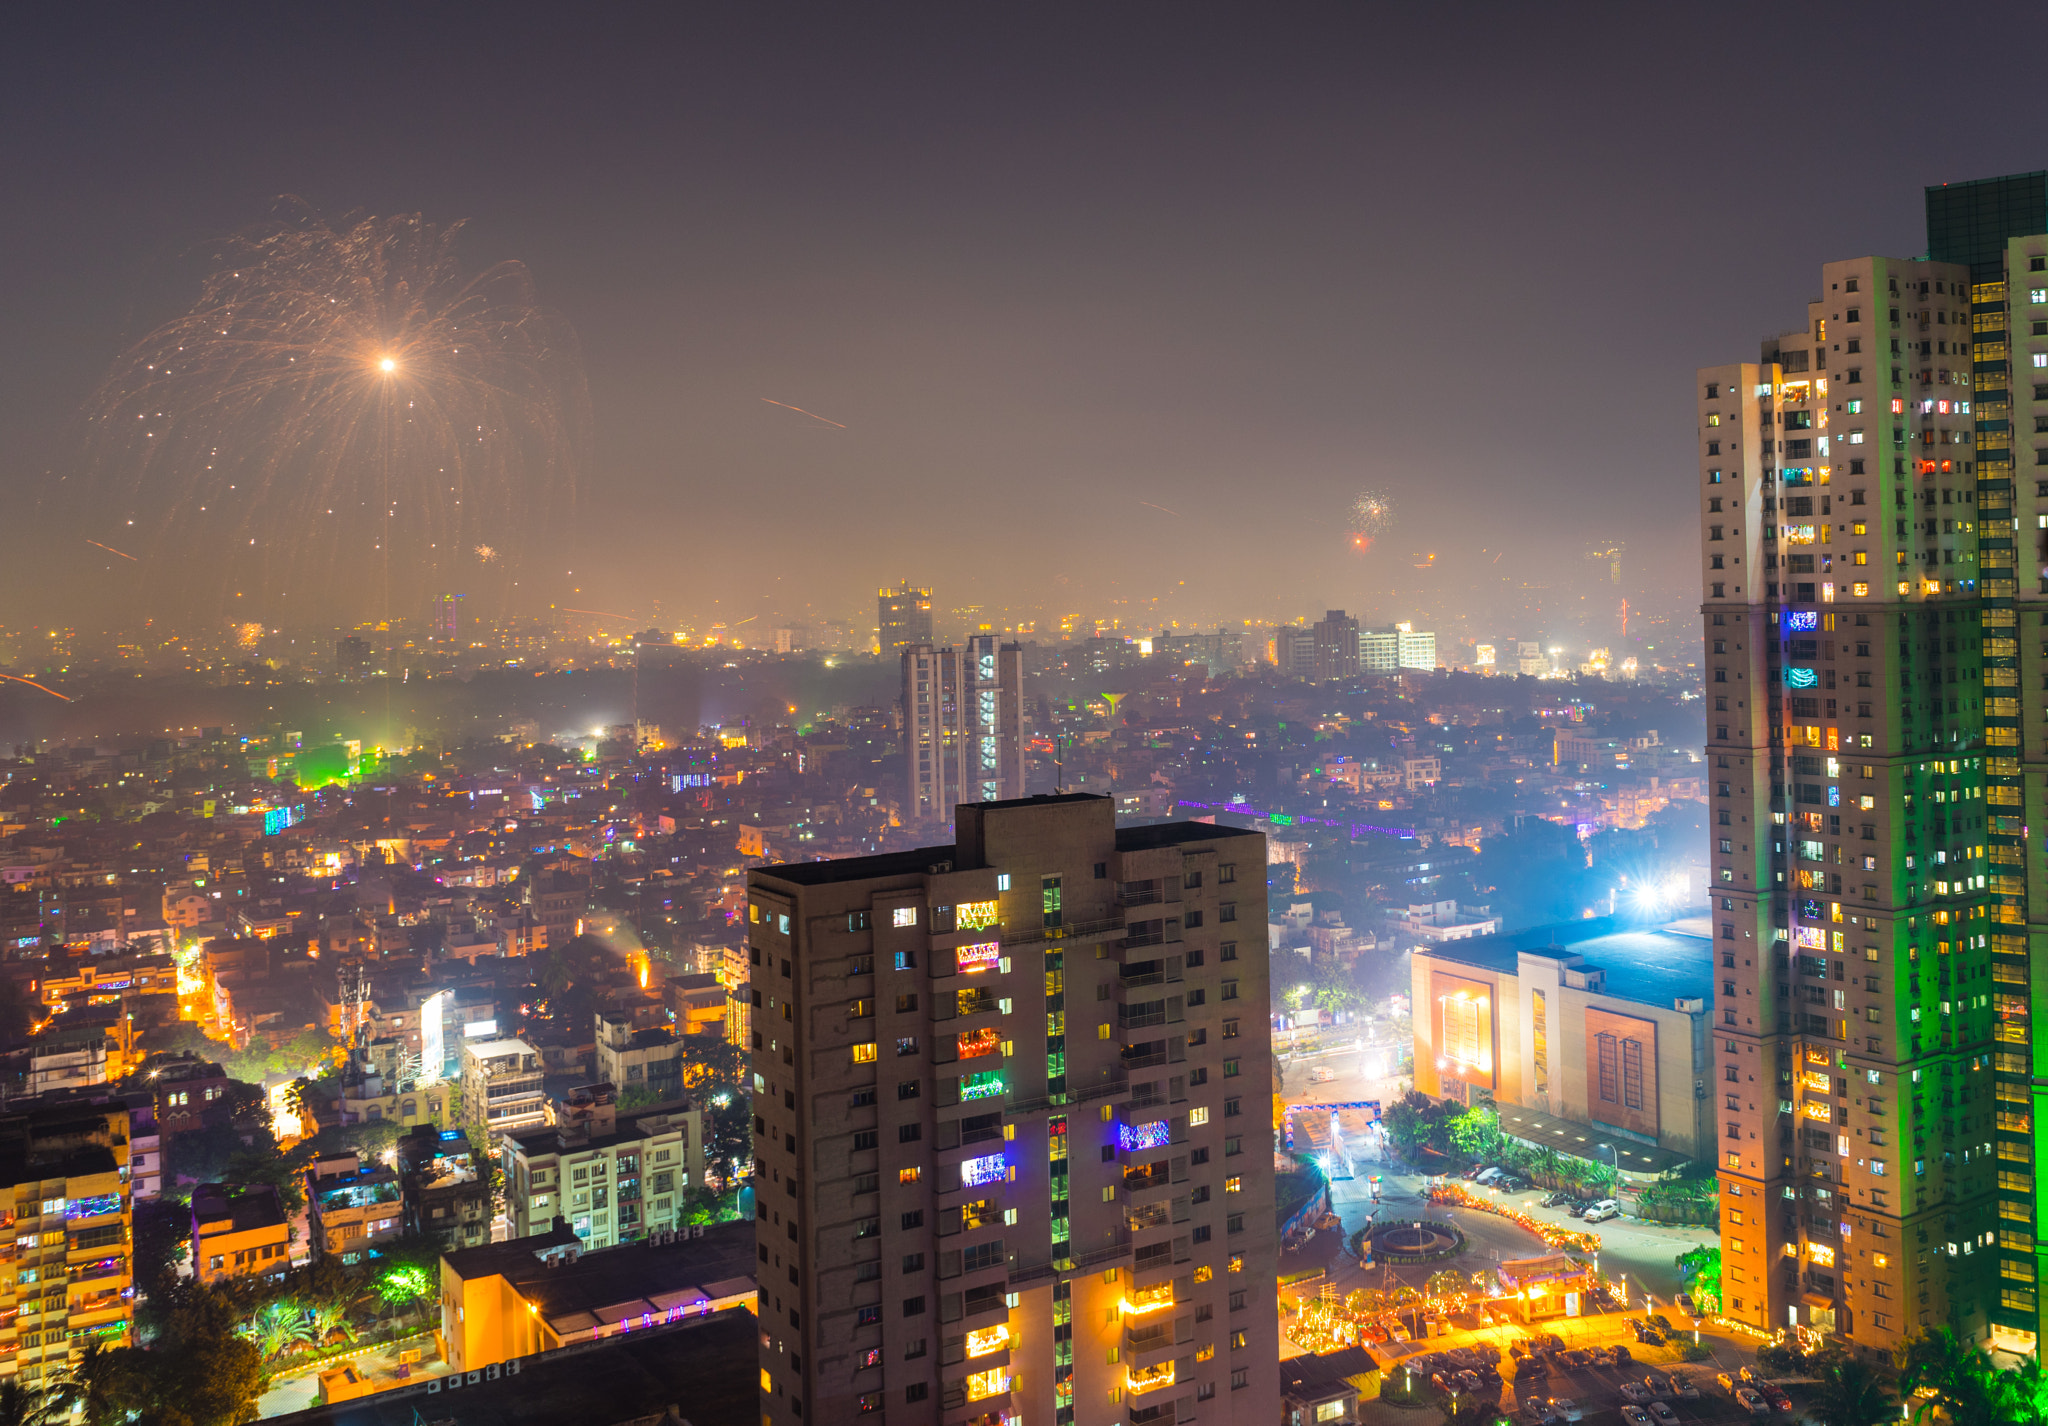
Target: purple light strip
{"x": 1245, "y": 809}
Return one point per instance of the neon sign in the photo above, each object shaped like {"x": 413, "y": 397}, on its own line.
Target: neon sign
{"x": 981, "y": 956}
{"x": 1802, "y": 620}
{"x": 974, "y": 915}
{"x": 1810, "y": 938}
{"x": 1801, "y": 678}
{"x": 990, "y": 1168}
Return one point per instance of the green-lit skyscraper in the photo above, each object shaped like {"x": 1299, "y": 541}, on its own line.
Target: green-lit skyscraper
{"x": 1870, "y": 730}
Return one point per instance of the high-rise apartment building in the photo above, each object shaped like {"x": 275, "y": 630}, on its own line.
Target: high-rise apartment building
{"x": 1336, "y": 642}
{"x": 1013, "y": 1142}
{"x": 903, "y": 617}
{"x": 963, "y": 725}
{"x": 1871, "y": 744}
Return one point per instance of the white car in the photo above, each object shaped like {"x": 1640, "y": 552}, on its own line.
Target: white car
{"x": 1566, "y": 1409}
{"x": 1636, "y": 1393}
{"x": 1634, "y": 1416}
{"x": 1603, "y": 1210}
{"x": 1489, "y": 1175}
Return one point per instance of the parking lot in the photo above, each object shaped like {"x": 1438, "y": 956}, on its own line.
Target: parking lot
{"x": 1574, "y": 1374}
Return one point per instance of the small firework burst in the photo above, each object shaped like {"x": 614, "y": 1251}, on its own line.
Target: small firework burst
{"x": 1372, "y": 513}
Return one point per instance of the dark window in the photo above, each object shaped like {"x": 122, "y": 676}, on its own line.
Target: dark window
{"x": 1609, "y": 1068}
{"x": 913, "y": 1307}
{"x": 909, "y": 1133}
{"x": 913, "y": 1219}
{"x": 917, "y": 1391}
{"x": 1632, "y": 1073}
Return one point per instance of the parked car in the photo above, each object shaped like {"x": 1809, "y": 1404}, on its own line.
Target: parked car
{"x": 1634, "y": 1416}
{"x": 1684, "y": 1387}
{"x": 1474, "y": 1171}
{"x": 1658, "y": 1385}
{"x": 1635, "y": 1391}
{"x": 1321, "y": 1074}
{"x": 1685, "y": 1301}
{"x": 1663, "y": 1414}
{"x": 1603, "y": 1210}
{"x": 1751, "y": 1401}
{"x": 1536, "y": 1412}
{"x": 1729, "y": 1381}
{"x": 1771, "y": 1392}
{"x": 1558, "y": 1199}
{"x": 1566, "y": 1409}
{"x": 1489, "y": 1175}
{"x": 1663, "y": 1324}
{"x": 1622, "y": 1356}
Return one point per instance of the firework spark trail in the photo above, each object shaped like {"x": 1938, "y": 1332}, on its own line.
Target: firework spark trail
{"x": 801, "y": 412}
{"x": 17, "y": 678}
{"x": 342, "y": 393}
{"x": 112, "y": 551}
{"x": 1161, "y": 508}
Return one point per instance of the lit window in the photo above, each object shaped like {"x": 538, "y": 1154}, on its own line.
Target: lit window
{"x": 864, "y": 1054}
{"x": 903, "y": 916}
{"x": 1237, "y": 1262}
{"x": 2041, "y": 358}
{"x": 1233, "y": 1185}
{"x": 1198, "y": 1116}
{"x": 2037, "y": 294}
{"x": 909, "y": 1175}
{"x": 1002, "y": 881}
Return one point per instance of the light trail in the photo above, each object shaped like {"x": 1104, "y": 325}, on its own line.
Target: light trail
{"x": 801, "y": 412}
{"x": 112, "y": 551}
{"x": 1161, "y": 508}
{"x": 17, "y": 678}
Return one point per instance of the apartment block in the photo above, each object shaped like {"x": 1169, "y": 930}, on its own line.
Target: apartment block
{"x": 501, "y": 1087}
{"x": 963, "y": 725}
{"x": 1871, "y": 749}
{"x": 1013, "y": 1142}
{"x": 442, "y": 1189}
{"x": 352, "y": 1207}
{"x": 903, "y": 617}
{"x": 69, "y": 1275}
{"x": 616, "y": 1177}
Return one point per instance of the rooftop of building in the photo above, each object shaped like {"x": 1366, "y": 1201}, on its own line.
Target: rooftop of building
{"x": 576, "y": 1290}
{"x": 237, "y": 1208}
{"x": 1316, "y": 1375}
{"x": 921, "y": 860}
{"x": 710, "y": 1363}
{"x": 561, "y": 1139}
{"x": 1647, "y": 964}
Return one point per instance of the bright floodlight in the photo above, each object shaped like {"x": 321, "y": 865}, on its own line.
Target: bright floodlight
{"x": 388, "y": 364}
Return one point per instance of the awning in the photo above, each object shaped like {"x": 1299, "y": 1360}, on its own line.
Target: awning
{"x": 1583, "y": 1140}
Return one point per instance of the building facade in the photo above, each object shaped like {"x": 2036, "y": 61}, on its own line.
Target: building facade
{"x": 501, "y": 1087}
{"x": 963, "y": 725}
{"x": 1587, "y": 1025}
{"x": 444, "y": 1190}
{"x": 902, "y": 617}
{"x": 70, "y": 1268}
{"x": 1013, "y": 1146}
{"x": 1871, "y": 749}
{"x": 616, "y": 1177}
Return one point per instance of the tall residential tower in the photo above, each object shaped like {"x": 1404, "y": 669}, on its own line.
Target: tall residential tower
{"x": 1013, "y": 1139}
{"x": 1873, "y": 754}
{"x": 963, "y": 726}
{"x": 902, "y": 617}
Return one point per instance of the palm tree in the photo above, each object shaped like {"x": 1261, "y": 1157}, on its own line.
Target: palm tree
{"x": 1957, "y": 1377}
{"x": 1851, "y": 1394}
{"x": 278, "y": 1326}
{"x": 22, "y": 1406}
{"x": 2022, "y": 1394}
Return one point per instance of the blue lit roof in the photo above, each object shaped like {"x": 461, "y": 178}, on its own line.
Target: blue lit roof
{"x": 1651, "y": 965}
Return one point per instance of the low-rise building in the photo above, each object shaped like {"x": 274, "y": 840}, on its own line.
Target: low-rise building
{"x": 350, "y": 1207}
{"x": 1438, "y": 921}
{"x": 501, "y": 1087}
{"x": 543, "y": 1292}
{"x": 615, "y": 1176}
{"x": 184, "y": 1087}
{"x": 1592, "y": 1037}
{"x": 238, "y": 1230}
{"x": 445, "y": 1190}
{"x": 644, "y": 1065}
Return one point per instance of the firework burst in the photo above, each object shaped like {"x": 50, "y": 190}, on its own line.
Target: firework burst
{"x": 1372, "y": 514}
{"x": 343, "y": 414}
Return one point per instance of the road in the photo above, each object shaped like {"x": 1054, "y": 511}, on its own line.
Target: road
{"x": 1644, "y": 1251}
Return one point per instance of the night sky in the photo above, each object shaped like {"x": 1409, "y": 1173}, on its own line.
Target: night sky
{"x": 1050, "y": 267}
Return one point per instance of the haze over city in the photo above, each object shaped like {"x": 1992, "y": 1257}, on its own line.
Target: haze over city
{"x": 968, "y": 716}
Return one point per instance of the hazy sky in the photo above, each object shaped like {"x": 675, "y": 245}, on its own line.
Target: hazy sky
{"x": 1051, "y": 267}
